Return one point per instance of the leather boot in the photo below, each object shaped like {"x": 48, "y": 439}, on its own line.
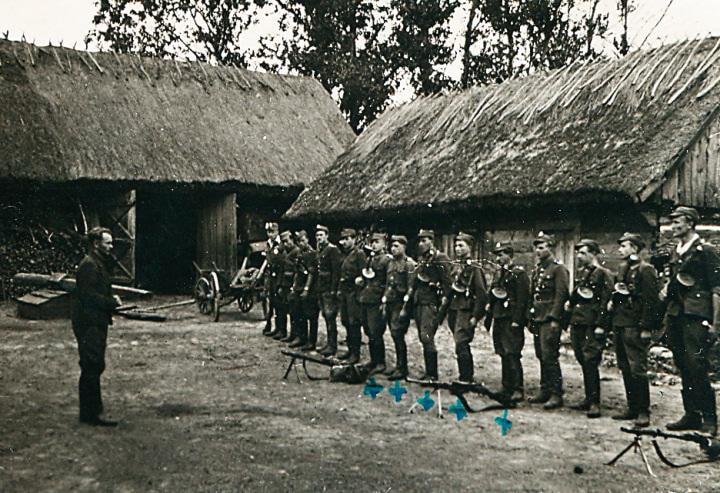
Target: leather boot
{"x": 540, "y": 398}
{"x": 554, "y": 402}
{"x": 354, "y": 357}
{"x": 687, "y": 422}
{"x": 593, "y": 411}
{"x": 295, "y": 343}
{"x": 431, "y": 366}
{"x": 331, "y": 347}
{"x": 625, "y": 415}
{"x": 643, "y": 420}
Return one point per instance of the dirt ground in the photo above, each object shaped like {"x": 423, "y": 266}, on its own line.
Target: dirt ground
{"x": 203, "y": 407}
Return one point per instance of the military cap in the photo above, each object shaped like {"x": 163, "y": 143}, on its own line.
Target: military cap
{"x": 633, "y": 238}
{"x": 348, "y": 232}
{"x": 544, "y": 238}
{"x": 301, "y": 234}
{"x": 271, "y": 226}
{"x": 320, "y": 227}
{"x": 591, "y": 245}
{"x": 469, "y": 239}
{"x": 285, "y": 235}
{"x": 689, "y": 212}
{"x": 399, "y": 238}
{"x": 426, "y": 233}
{"x": 377, "y": 236}
{"x": 503, "y": 246}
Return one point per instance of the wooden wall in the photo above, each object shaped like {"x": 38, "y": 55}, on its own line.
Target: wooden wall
{"x": 696, "y": 181}
{"x": 217, "y": 232}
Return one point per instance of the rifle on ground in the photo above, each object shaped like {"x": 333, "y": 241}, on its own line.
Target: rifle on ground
{"x": 305, "y": 357}
{"x": 708, "y": 445}
{"x": 460, "y": 389}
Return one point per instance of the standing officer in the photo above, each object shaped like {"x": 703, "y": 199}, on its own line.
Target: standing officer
{"x": 92, "y": 313}
{"x": 306, "y": 296}
{"x": 429, "y": 294}
{"x": 373, "y": 281}
{"x": 350, "y": 312}
{"x": 272, "y": 254}
{"x": 329, "y": 260}
{"x": 693, "y": 316}
{"x": 550, "y": 284}
{"x": 286, "y": 297}
{"x": 633, "y": 307}
{"x": 468, "y": 298}
{"x": 396, "y": 303}
{"x": 587, "y": 309}
{"x": 507, "y": 314}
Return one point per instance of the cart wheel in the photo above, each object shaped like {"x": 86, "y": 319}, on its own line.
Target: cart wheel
{"x": 205, "y": 295}
{"x": 245, "y": 302}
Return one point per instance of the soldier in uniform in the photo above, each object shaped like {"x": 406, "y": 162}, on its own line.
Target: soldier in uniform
{"x": 507, "y": 314}
{"x": 467, "y": 301}
{"x": 287, "y": 278}
{"x": 396, "y": 303}
{"x": 633, "y": 307}
{"x": 329, "y": 260}
{"x": 429, "y": 294}
{"x": 549, "y": 288}
{"x": 275, "y": 258}
{"x": 304, "y": 293}
{"x": 692, "y": 317}
{"x": 587, "y": 309}
{"x": 373, "y": 281}
{"x": 350, "y": 312}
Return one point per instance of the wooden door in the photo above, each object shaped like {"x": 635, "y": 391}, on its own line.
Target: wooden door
{"x": 217, "y": 232}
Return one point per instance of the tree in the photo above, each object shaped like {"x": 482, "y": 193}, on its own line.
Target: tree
{"x": 421, "y": 42}
{"x": 344, "y": 45}
{"x": 206, "y": 30}
{"x": 625, "y": 8}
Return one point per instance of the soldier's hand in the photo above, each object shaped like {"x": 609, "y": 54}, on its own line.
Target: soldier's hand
{"x": 555, "y": 324}
{"x": 599, "y": 332}
{"x": 567, "y": 306}
{"x": 304, "y": 293}
{"x": 645, "y": 336}
{"x": 473, "y": 322}
{"x": 610, "y": 305}
{"x": 117, "y": 300}
{"x": 514, "y": 325}
{"x": 359, "y": 281}
{"x": 406, "y": 298}
{"x": 383, "y": 309}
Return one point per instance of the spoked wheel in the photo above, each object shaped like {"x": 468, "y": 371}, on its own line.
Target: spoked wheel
{"x": 205, "y": 295}
{"x": 245, "y": 301}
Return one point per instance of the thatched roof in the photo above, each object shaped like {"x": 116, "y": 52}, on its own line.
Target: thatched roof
{"x": 601, "y": 128}
{"x": 69, "y": 115}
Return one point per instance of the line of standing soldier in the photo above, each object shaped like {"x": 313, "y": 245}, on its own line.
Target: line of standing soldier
{"x": 379, "y": 290}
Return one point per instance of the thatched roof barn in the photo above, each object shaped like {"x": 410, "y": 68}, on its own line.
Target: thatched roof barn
{"x": 561, "y": 149}
{"x": 147, "y": 131}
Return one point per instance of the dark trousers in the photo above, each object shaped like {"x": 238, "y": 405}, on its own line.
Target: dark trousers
{"x": 279, "y": 301}
{"x": 632, "y": 356}
{"x": 547, "y": 349}
{"x": 329, "y": 307}
{"x": 508, "y": 342}
{"x": 690, "y": 344}
{"x": 351, "y": 318}
{"x": 588, "y": 350}
{"x": 463, "y": 333}
{"x": 427, "y": 325}
{"x": 304, "y": 313}
{"x": 374, "y": 325}
{"x": 398, "y": 329}
{"x": 91, "y": 340}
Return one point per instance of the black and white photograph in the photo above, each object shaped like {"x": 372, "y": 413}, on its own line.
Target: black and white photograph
{"x": 359, "y": 246}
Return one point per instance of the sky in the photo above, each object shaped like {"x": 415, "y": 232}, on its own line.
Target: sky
{"x": 44, "y": 21}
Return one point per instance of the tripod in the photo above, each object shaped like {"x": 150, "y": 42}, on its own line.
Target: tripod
{"x": 636, "y": 446}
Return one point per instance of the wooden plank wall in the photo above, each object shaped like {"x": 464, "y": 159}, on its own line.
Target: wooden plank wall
{"x": 217, "y": 232}
{"x": 696, "y": 181}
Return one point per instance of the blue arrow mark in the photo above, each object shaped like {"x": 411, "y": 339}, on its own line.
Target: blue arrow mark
{"x": 426, "y": 401}
{"x": 459, "y": 410}
{"x": 372, "y": 388}
{"x": 398, "y": 391}
{"x": 504, "y": 423}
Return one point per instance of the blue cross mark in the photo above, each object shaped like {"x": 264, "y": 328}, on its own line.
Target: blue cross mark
{"x": 504, "y": 423}
{"x": 458, "y": 409}
{"x": 398, "y": 391}
{"x": 426, "y": 401}
{"x": 372, "y": 388}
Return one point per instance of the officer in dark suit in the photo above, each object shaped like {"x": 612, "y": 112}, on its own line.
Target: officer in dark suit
{"x": 693, "y": 317}
{"x": 281, "y": 273}
{"x": 507, "y": 314}
{"x": 587, "y": 310}
{"x": 396, "y": 303}
{"x": 350, "y": 313}
{"x": 329, "y": 261}
{"x": 468, "y": 298}
{"x": 291, "y": 299}
{"x": 634, "y": 315}
{"x": 304, "y": 290}
{"x": 273, "y": 254}
{"x": 92, "y": 313}
{"x": 373, "y": 281}
{"x": 549, "y": 288}
{"x": 429, "y": 294}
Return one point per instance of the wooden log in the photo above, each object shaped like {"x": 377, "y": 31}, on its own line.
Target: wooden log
{"x": 137, "y": 315}
{"x": 66, "y": 283}
{"x": 168, "y": 305}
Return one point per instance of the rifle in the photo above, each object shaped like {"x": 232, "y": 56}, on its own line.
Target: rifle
{"x": 708, "y": 445}
{"x": 305, "y": 357}
{"x": 460, "y": 389}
